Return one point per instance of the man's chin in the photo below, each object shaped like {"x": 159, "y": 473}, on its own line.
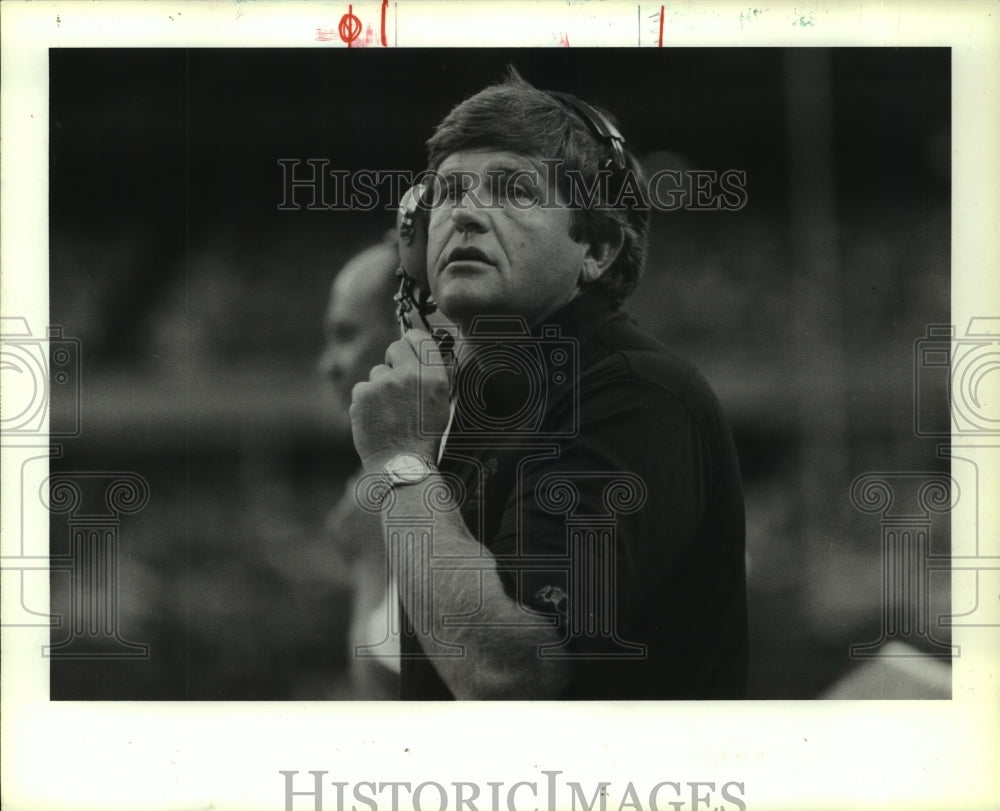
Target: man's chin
{"x": 462, "y": 305}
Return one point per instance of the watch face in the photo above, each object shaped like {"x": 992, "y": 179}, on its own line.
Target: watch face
{"x": 408, "y": 467}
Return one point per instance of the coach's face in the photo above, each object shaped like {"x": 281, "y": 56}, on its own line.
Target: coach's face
{"x": 497, "y": 250}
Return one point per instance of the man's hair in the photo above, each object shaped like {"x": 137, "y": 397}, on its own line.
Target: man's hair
{"x": 514, "y": 116}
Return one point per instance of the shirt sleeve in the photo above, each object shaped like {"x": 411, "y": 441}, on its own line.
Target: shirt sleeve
{"x": 613, "y": 511}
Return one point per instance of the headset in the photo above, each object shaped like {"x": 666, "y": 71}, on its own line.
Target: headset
{"x": 411, "y": 217}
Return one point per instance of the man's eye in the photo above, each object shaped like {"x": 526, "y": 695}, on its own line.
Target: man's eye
{"x": 344, "y": 332}
{"x": 521, "y": 192}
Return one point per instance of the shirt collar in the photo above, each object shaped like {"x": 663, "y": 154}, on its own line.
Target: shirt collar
{"x": 498, "y": 394}
{"x": 581, "y": 317}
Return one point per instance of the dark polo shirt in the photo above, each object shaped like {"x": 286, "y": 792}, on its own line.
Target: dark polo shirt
{"x": 599, "y": 471}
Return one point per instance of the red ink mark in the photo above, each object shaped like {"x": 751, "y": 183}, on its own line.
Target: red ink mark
{"x": 350, "y": 26}
{"x": 564, "y": 39}
{"x": 325, "y": 34}
{"x": 363, "y": 40}
{"x": 660, "y": 43}
{"x": 385, "y": 7}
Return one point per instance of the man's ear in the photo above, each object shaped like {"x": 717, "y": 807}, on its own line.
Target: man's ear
{"x": 600, "y": 256}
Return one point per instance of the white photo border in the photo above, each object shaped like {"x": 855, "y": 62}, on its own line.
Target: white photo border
{"x": 788, "y": 755}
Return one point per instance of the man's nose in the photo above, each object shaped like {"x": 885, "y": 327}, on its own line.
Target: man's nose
{"x": 469, "y": 214}
{"x": 328, "y": 364}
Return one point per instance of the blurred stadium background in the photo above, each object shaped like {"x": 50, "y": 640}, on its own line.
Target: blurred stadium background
{"x": 198, "y": 305}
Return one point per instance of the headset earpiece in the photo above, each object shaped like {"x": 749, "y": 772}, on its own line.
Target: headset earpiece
{"x": 411, "y": 230}
{"x": 411, "y": 225}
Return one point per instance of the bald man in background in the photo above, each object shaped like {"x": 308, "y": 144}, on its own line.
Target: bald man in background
{"x": 359, "y": 324}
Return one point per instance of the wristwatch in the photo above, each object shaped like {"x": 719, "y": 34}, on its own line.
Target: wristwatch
{"x": 404, "y": 468}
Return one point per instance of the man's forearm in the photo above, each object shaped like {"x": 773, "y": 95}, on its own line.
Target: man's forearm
{"x": 459, "y": 577}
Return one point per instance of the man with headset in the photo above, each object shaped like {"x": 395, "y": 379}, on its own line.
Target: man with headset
{"x": 561, "y": 494}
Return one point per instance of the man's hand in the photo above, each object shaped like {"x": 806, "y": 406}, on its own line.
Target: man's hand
{"x": 403, "y": 408}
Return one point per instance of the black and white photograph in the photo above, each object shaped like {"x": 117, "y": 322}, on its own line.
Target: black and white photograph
{"x": 497, "y": 383}
{"x": 218, "y": 243}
